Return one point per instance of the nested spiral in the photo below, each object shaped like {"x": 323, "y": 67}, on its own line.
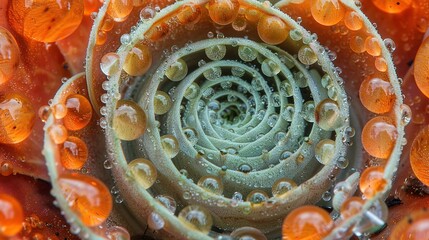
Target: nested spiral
{"x": 234, "y": 126}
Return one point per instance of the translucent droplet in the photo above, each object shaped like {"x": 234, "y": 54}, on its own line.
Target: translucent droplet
{"x": 245, "y": 168}
{"x": 143, "y": 171}
{"x": 212, "y": 184}
{"x": 257, "y": 197}
{"x": 295, "y": 34}
{"x": 283, "y": 185}
{"x": 155, "y": 221}
{"x": 177, "y": 71}
{"x": 324, "y": 151}
{"x": 247, "y": 54}
{"x": 327, "y": 115}
{"x": 168, "y": 202}
{"x": 192, "y": 91}
{"x": 212, "y": 73}
{"x": 191, "y": 135}
{"x": 196, "y": 217}
{"x": 270, "y": 68}
{"x": 161, "y": 103}
{"x": 306, "y": 55}
{"x": 308, "y": 111}
{"x": 216, "y": 52}
{"x": 170, "y": 145}
{"x": 109, "y": 64}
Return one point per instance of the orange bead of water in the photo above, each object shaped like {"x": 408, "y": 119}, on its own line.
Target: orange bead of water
{"x": 327, "y": 12}
{"x": 74, "y": 153}
{"x": 419, "y": 155}
{"x": 377, "y": 95}
{"x": 392, "y": 6}
{"x": 45, "y": 20}
{"x": 307, "y": 223}
{"x": 58, "y": 133}
{"x": 372, "y": 182}
{"x": 129, "y": 120}
{"x": 415, "y": 226}
{"x": 11, "y": 216}
{"x": 107, "y": 24}
{"x": 120, "y": 9}
{"x": 380, "y": 64}
{"x": 17, "y": 118}
{"x": 6, "y": 168}
{"x": 252, "y": 15}
{"x": 59, "y": 110}
{"x": 351, "y": 207}
{"x": 379, "y": 136}
{"x": 138, "y": 60}
{"x": 421, "y": 67}
{"x": 9, "y": 55}
{"x": 189, "y": 14}
{"x": 79, "y": 112}
{"x": 372, "y": 46}
{"x": 223, "y": 12}
{"x": 353, "y": 21}
{"x": 272, "y": 30}
{"x": 90, "y": 6}
{"x": 357, "y": 44}
{"x": 101, "y": 38}
{"x": 87, "y": 196}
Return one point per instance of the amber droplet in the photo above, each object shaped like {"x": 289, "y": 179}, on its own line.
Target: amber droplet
{"x": 272, "y": 30}
{"x": 45, "y": 20}
{"x": 351, "y": 207}
{"x": 307, "y": 223}
{"x": 372, "y": 46}
{"x": 327, "y": 12}
{"x": 379, "y": 136}
{"x": 211, "y": 184}
{"x": 101, "y": 38}
{"x": 74, "y": 153}
{"x": 120, "y": 9}
{"x": 107, "y": 24}
{"x": 143, "y": 171}
{"x": 377, "y": 95}
{"x": 11, "y": 216}
{"x": 189, "y": 14}
{"x": 58, "y": 133}
{"x": 129, "y": 120}
{"x": 392, "y": 6}
{"x": 138, "y": 60}
{"x": 9, "y": 55}
{"x": 59, "y": 110}
{"x": 17, "y": 118}
{"x": 380, "y": 64}
{"x": 79, "y": 112}
{"x": 197, "y": 218}
{"x": 87, "y": 196}
{"x": 223, "y": 12}
{"x": 421, "y": 67}
{"x": 353, "y": 21}
{"x": 252, "y": 15}
{"x": 6, "y": 168}
{"x": 419, "y": 155}
{"x": 357, "y": 44}
{"x": 372, "y": 181}
{"x": 161, "y": 103}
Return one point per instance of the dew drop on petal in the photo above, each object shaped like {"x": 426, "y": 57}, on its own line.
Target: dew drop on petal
{"x": 129, "y": 120}
{"x": 11, "y": 216}
{"x": 87, "y": 196}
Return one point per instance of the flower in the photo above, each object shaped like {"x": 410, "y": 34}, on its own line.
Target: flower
{"x": 186, "y": 107}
